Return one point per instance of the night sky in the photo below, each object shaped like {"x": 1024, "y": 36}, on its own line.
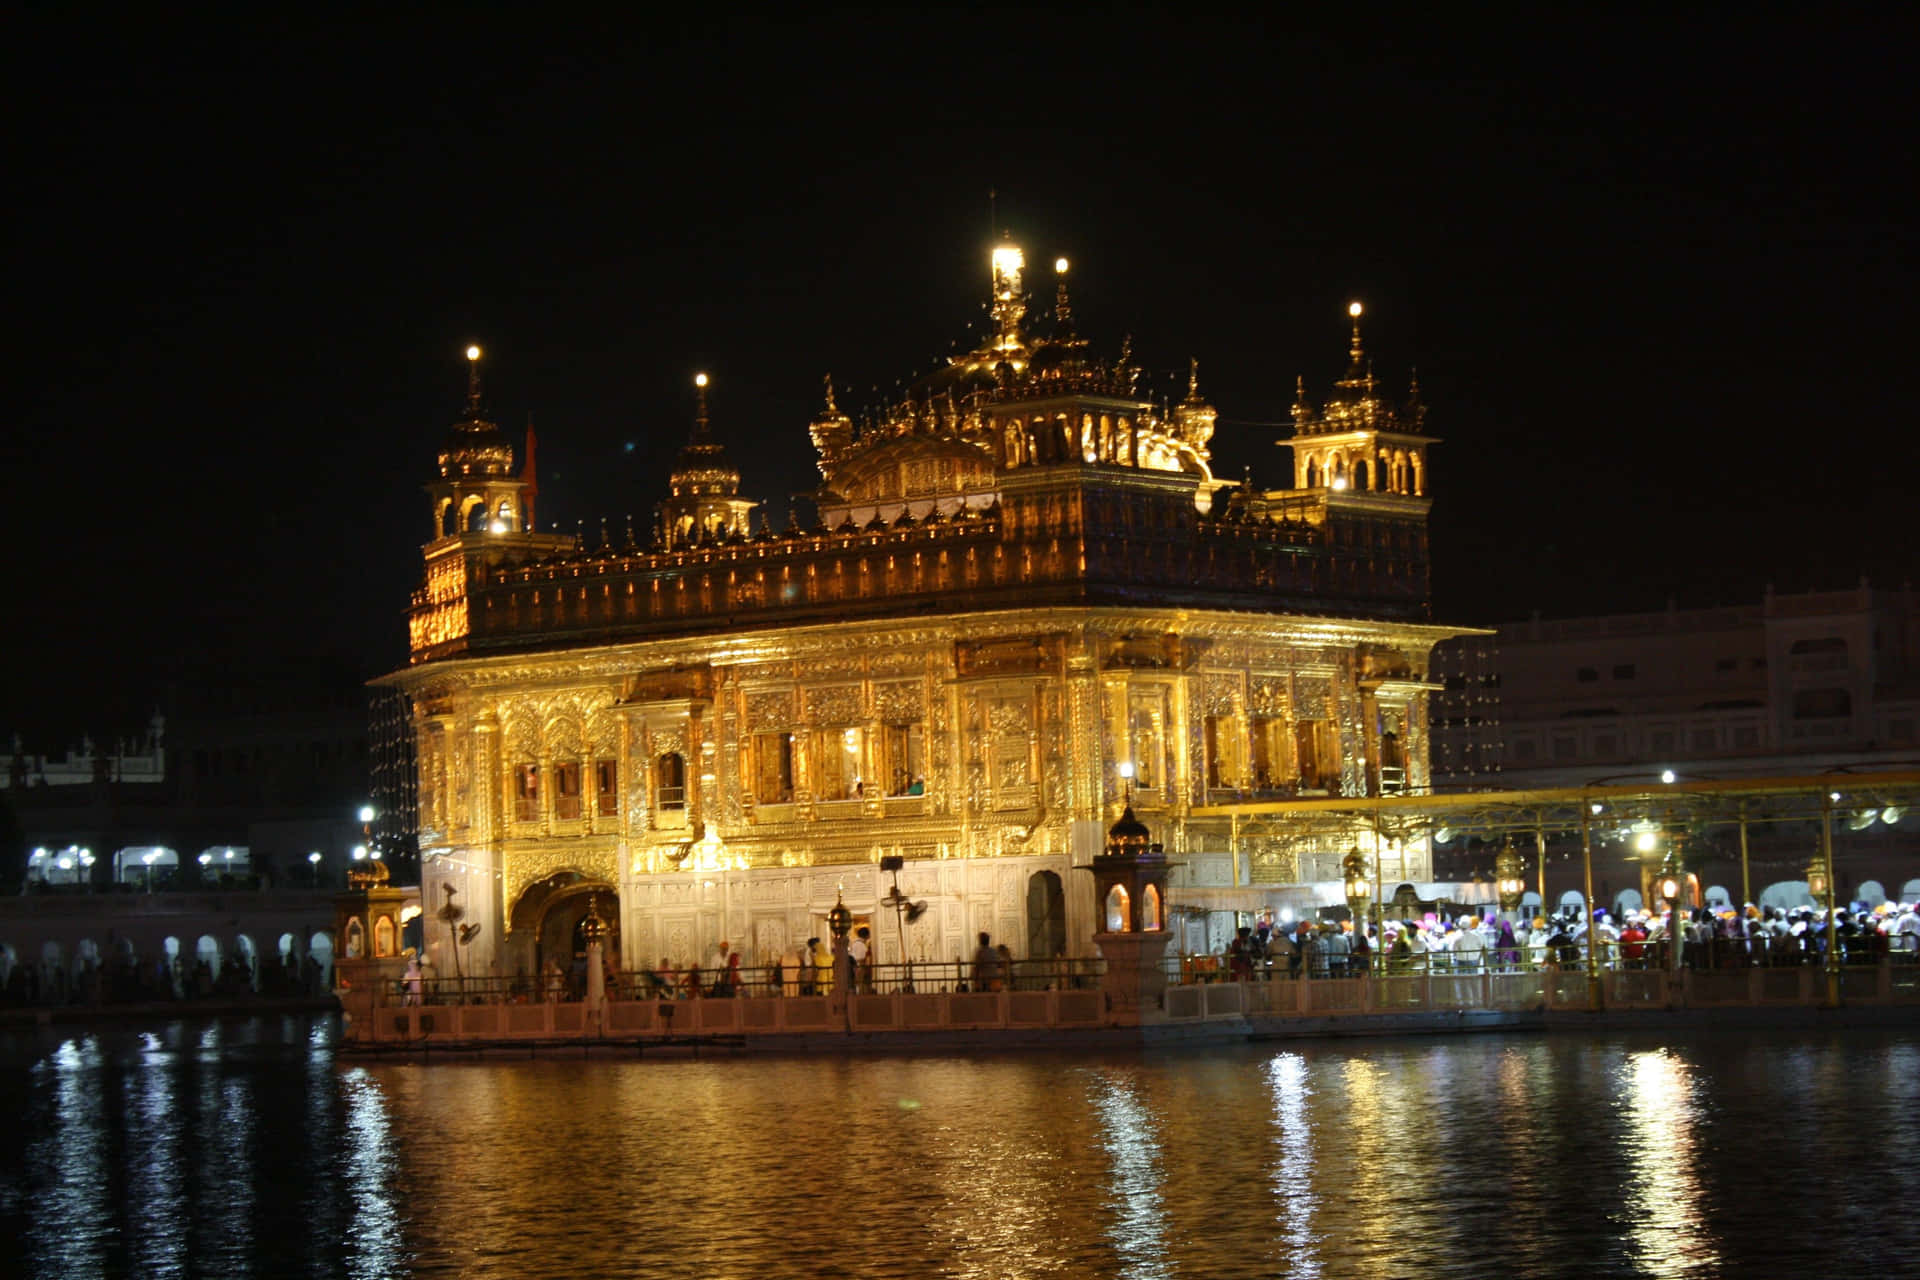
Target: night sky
{"x": 1657, "y": 282}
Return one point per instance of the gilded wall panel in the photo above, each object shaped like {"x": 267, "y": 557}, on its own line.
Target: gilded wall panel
{"x": 900, "y": 701}
{"x": 770, "y": 711}
{"x": 1268, "y": 696}
{"x": 832, "y": 705}
{"x": 1219, "y": 693}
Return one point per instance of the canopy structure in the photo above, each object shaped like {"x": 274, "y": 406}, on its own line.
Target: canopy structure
{"x": 1637, "y": 813}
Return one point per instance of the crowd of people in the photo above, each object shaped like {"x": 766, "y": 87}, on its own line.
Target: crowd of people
{"x": 1708, "y": 938}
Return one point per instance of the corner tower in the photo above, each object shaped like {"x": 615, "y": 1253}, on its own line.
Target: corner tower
{"x": 1359, "y": 447}
{"x": 482, "y": 514}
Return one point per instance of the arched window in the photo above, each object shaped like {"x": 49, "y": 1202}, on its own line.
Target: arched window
{"x": 477, "y": 518}
{"x": 1151, "y": 916}
{"x": 505, "y": 514}
{"x": 447, "y": 520}
{"x": 670, "y": 780}
{"x": 1119, "y": 916}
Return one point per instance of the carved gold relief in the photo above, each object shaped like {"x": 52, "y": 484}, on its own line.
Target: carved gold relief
{"x": 833, "y": 705}
{"x": 770, "y": 711}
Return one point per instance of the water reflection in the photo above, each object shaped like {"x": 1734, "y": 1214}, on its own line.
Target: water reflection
{"x": 374, "y": 1248}
{"x": 1291, "y": 1164}
{"x": 1132, "y": 1143}
{"x": 247, "y": 1150}
{"x": 1665, "y": 1218}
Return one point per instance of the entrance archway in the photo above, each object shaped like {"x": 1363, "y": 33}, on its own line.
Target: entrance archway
{"x": 1046, "y": 916}
{"x": 546, "y": 925}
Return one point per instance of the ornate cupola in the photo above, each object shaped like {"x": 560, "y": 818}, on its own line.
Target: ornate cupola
{"x": 482, "y": 515}
{"x": 1193, "y": 417}
{"x": 832, "y": 433}
{"x": 704, "y": 502}
{"x": 477, "y": 491}
{"x": 1359, "y": 447}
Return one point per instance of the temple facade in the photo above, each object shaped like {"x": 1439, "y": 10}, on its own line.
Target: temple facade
{"x": 1024, "y": 598}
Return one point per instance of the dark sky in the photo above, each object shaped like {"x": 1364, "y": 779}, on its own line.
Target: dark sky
{"x": 1656, "y": 280}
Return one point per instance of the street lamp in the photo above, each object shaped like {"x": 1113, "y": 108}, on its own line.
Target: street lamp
{"x": 1508, "y": 881}
{"x": 1669, "y": 887}
{"x": 1359, "y": 887}
{"x": 1817, "y": 879}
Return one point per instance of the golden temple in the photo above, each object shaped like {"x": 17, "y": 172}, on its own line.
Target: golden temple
{"x": 1025, "y": 593}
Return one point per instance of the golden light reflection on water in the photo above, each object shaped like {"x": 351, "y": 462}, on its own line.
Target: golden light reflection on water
{"x": 1291, "y": 1165}
{"x": 1516, "y": 1156}
{"x": 1131, "y": 1137}
{"x": 1664, "y": 1198}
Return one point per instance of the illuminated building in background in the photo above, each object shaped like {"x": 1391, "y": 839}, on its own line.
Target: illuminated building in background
{"x": 1023, "y": 576}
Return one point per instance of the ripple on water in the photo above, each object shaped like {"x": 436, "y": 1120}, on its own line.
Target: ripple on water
{"x": 245, "y": 1149}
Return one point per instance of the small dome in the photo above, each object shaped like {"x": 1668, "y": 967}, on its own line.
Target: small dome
{"x": 1128, "y": 835}
{"x": 475, "y": 447}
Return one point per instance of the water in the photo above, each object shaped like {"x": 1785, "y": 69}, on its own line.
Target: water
{"x": 247, "y": 1148}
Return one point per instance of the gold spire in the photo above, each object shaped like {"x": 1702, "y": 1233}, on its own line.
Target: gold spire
{"x": 1354, "y": 353}
{"x": 1062, "y": 308}
{"x": 700, "y": 406}
{"x": 832, "y": 408}
{"x": 1193, "y": 378}
{"x": 473, "y": 380}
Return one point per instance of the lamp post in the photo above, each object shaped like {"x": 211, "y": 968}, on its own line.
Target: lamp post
{"x": 1359, "y": 889}
{"x": 1669, "y": 887}
{"x": 1508, "y": 882}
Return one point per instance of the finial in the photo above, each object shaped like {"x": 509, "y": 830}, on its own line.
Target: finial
{"x": 1062, "y": 308}
{"x": 700, "y": 402}
{"x": 1193, "y": 377}
{"x": 832, "y": 408}
{"x": 1355, "y": 310}
{"x": 473, "y": 381}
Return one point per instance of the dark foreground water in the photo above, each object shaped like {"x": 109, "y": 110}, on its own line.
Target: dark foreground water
{"x": 246, "y": 1148}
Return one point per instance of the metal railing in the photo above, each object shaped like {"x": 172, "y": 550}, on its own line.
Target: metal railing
{"x": 924, "y": 977}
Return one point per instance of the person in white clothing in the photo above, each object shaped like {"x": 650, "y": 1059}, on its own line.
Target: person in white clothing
{"x": 1469, "y": 947}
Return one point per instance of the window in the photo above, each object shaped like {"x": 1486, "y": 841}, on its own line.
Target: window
{"x": 1623, "y": 671}
{"x": 837, "y": 763}
{"x": 670, "y": 781}
{"x": 1313, "y": 740}
{"x": 1565, "y": 748}
{"x": 1587, "y": 675}
{"x": 526, "y": 793}
{"x": 1523, "y": 749}
{"x": 1822, "y": 704}
{"x": 1661, "y": 741}
{"x": 1701, "y": 740}
{"x": 1143, "y": 734}
{"x": 566, "y": 791}
{"x": 1225, "y": 765}
{"x": 1726, "y": 664}
{"x": 606, "y": 787}
{"x": 1746, "y": 736}
{"x": 1900, "y": 730}
{"x": 772, "y": 768}
{"x": 1604, "y": 745}
{"x": 903, "y": 756}
{"x": 1269, "y": 751}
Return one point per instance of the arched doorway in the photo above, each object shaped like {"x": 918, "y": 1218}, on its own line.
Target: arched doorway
{"x": 546, "y": 927}
{"x": 1046, "y": 916}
